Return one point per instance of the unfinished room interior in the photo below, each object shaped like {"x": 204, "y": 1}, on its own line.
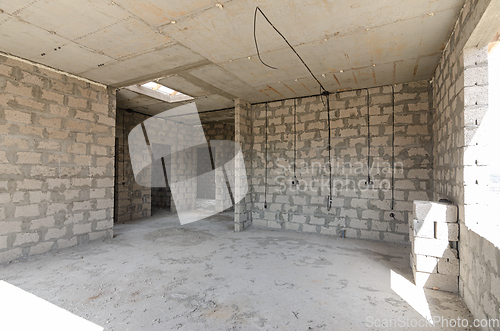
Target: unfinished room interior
{"x": 249, "y": 165}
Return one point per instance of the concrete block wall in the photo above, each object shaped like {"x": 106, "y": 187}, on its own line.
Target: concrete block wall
{"x": 480, "y": 269}
{"x": 215, "y": 130}
{"x": 224, "y": 151}
{"x": 363, "y": 212}
{"x": 135, "y": 197}
{"x": 448, "y": 126}
{"x": 183, "y": 164}
{"x": 160, "y": 196}
{"x": 218, "y": 130}
{"x": 132, "y": 201}
{"x": 460, "y": 89}
{"x": 224, "y": 174}
{"x": 206, "y": 179}
{"x": 57, "y": 138}
{"x": 161, "y": 199}
{"x": 244, "y": 136}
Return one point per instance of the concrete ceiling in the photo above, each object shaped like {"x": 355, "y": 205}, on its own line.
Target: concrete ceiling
{"x": 209, "y": 52}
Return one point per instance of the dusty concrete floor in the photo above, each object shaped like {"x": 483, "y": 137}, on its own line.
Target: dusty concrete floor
{"x": 158, "y": 275}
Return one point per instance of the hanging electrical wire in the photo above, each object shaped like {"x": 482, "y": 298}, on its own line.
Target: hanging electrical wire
{"x": 257, "y": 9}
{"x": 123, "y": 148}
{"x": 369, "y": 182}
{"x": 393, "y": 143}
{"x": 255, "y": 36}
{"x": 323, "y": 91}
{"x": 330, "y": 195}
{"x": 321, "y": 94}
{"x": 265, "y": 156}
{"x": 295, "y": 180}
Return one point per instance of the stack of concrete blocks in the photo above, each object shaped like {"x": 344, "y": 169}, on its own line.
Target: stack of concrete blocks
{"x": 434, "y": 237}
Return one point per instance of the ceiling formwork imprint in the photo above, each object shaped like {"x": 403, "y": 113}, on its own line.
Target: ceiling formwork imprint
{"x": 205, "y": 48}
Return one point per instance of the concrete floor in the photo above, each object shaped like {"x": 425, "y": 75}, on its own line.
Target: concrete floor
{"x": 158, "y": 275}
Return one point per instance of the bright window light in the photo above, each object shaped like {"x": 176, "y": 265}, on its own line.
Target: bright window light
{"x": 482, "y": 194}
{"x": 414, "y": 295}
{"x": 494, "y": 121}
{"x": 166, "y": 90}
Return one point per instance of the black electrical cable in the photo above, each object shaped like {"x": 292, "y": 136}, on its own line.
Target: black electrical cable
{"x": 265, "y": 180}
{"x": 330, "y": 197}
{"x": 313, "y": 95}
{"x": 369, "y": 135}
{"x": 393, "y": 143}
{"x": 321, "y": 94}
{"x": 295, "y": 181}
{"x": 255, "y": 36}
{"x": 123, "y": 148}
{"x": 282, "y": 36}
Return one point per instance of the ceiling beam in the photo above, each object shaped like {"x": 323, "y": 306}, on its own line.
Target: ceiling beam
{"x": 162, "y": 74}
{"x": 206, "y": 86}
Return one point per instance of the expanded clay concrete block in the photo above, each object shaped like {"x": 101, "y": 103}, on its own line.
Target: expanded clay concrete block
{"x": 450, "y": 253}
{"x": 423, "y": 229}
{"x": 3, "y": 242}
{"x": 26, "y": 238}
{"x": 441, "y": 282}
{"x": 394, "y": 237}
{"x": 260, "y": 223}
{"x": 447, "y": 231}
{"x": 448, "y": 267}
{"x": 434, "y": 211}
{"x": 424, "y": 263}
{"x": 429, "y": 247}
{"x": 41, "y": 248}
{"x": 317, "y": 220}
{"x": 435, "y": 230}
{"x": 412, "y": 234}
{"x": 412, "y": 264}
{"x": 449, "y": 264}
{"x": 10, "y": 227}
